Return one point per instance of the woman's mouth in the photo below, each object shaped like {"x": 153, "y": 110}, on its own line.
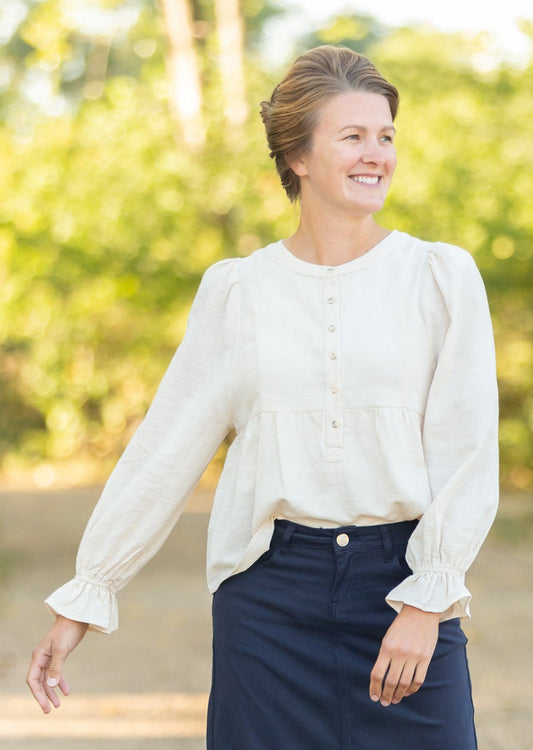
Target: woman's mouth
{"x": 365, "y": 179}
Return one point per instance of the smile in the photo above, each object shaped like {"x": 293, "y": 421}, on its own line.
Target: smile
{"x": 364, "y": 180}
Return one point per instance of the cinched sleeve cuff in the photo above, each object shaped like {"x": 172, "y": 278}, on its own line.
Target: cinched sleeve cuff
{"x": 86, "y": 601}
{"x": 442, "y": 591}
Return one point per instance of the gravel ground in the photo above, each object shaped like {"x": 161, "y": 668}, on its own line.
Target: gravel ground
{"x": 146, "y": 685}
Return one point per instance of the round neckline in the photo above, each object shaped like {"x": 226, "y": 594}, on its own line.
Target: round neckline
{"x": 281, "y": 254}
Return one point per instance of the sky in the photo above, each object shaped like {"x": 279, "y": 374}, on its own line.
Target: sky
{"x": 471, "y": 16}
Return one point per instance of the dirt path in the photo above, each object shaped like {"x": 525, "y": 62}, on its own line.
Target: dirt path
{"x": 146, "y": 685}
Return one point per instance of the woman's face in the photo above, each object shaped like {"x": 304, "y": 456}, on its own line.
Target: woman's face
{"x": 352, "y": 159}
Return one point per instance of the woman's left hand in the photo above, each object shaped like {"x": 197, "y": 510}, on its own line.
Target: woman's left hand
{"x": 404, "y": 657}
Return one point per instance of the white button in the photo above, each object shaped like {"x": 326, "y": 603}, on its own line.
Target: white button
{"x": 331, "y": 328}
{"x": 331, "y": 300}
{"x": 342, "y": 540}
{"x": 333, "y": 355}
{"x": 335, "y": 424}
{"x": 330, "y": 270}
{"x": 334, "y": 390}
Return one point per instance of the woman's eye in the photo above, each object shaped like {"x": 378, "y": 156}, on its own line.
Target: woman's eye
{"x": 353, "y": 137}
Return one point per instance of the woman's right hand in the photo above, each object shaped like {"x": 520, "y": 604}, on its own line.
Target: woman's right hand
{"x": 46, "y": 669}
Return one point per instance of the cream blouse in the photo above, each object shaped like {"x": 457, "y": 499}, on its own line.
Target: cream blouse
{"x": 363, "y": 393}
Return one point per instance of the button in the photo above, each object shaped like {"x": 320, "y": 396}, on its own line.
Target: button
{"x": 342, "y": 540}
{"x": 330, "y": 270}
{"x": 333, "y": 355}
{"x": 334, "y": 390}
{"x": 331, "y": 328}
{"x": 331, "y": 300}
{"x": 335, "y": 424}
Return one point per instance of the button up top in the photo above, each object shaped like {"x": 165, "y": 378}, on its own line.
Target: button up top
{"x": 363, "y": 393}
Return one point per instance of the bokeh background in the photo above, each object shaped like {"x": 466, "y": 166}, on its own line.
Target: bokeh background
{"x": 132, "y": 156}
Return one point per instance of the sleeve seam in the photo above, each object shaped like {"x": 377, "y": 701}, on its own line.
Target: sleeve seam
{"x": 98, "y": 583}
{"x": 450, "y": 571}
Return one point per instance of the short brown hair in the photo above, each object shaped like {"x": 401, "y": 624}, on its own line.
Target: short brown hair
{"x": 291, "y": 114}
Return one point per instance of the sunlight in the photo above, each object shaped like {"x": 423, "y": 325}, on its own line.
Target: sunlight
{"x": 115, "y": 715}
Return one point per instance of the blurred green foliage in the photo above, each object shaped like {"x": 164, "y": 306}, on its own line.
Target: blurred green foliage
{"x": 107, "y": 220}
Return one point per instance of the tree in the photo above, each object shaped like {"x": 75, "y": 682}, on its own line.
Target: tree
{"x": 230, "y": 34}
{"x": 184, "y": 78}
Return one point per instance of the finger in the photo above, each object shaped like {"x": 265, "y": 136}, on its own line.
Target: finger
{"x": 378, "y": 675}
{"x": 38, "y": 692}
{"x": 419, "y": 677}
{"x": 54, "y": 673}
{"x": 35, "y": 679}
{"x": 52, "y": 696}
{"x": 390, "y": 683}
{"x": 405, "y": 682}
{"x": 51, "y": 692}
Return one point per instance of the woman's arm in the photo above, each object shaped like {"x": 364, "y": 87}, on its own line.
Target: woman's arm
{"x": 146, "y": 492}
{"x": 460, "y": 438}
{"x": 189, "y": 417}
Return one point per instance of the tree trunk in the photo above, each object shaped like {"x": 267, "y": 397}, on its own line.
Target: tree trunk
{"x": 185, "y": 92}
{"x": 230, "y": 33}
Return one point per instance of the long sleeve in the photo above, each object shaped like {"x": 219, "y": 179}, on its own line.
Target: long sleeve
{"x": 460, "y": 442}
{"x": 188, "y": 419}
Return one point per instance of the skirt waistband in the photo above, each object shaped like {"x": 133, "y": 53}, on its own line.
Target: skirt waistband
{"x": 379, "y": 536}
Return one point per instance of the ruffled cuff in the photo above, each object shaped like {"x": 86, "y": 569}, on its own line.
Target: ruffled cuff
{"x": 433, "y": 591}
{"x": 86, "y": 601}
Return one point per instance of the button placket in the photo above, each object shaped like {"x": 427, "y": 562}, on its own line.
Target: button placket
{"x": 333, "y": 403}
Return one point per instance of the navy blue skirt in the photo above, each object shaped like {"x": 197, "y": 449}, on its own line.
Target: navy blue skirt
{"x": 296, "y": 637}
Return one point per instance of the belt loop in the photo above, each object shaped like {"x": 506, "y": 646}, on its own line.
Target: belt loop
{"x": 288, "y": 531}
{"x": 387, "y": 543}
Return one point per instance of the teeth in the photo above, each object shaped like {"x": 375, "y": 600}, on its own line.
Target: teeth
{"x": 366, "y": 180}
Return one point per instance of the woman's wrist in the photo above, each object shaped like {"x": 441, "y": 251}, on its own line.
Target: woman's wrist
{"x": 411, "y": 609}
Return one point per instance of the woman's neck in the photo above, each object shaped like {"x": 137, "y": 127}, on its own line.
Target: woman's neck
{"x": 331, "y": 243}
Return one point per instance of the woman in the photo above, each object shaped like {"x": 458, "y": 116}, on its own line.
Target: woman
{"x": 356, "y": 365}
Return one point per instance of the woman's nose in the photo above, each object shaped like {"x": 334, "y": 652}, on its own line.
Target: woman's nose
{"x": 373, "y": 153}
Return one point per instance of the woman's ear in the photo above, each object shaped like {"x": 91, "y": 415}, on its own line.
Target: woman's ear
{"x": 296, "y": 162}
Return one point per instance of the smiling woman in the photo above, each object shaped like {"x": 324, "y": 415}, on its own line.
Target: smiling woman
{"x": 293, "y": 112}
{"x": 350, "y": 166}
{"x": 355, "y": 364}
{"x": 332, "y": 142}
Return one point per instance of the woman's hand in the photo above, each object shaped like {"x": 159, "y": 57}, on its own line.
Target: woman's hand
{"x": 404, "y": 657}
{"x": 46, "y": 668}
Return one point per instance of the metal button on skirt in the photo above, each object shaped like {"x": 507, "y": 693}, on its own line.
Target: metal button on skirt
{"x": 296, "y": 637}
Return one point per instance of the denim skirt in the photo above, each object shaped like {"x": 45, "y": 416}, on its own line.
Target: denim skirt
{"x": 296, "y": 636}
